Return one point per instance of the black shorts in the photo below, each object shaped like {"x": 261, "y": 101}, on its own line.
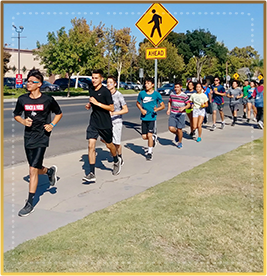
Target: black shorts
{"x": 35, "y": 157}
{"x": 93, "y": 133}
{"x": 148, "y": 127}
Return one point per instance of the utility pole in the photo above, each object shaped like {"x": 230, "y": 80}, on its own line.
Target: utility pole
{"x": 19, "y": 31}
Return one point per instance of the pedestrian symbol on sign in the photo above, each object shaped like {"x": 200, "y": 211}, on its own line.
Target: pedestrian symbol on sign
{"x": 157, "y": 19}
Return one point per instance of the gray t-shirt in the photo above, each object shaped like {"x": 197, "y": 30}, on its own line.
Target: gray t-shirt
{"x": 119, "y": 102}
{"x": 235, "y": 92}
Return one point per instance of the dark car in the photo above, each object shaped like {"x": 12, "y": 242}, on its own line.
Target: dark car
{"x": 166, "y": 89}
{"x": 88, "y": 81}
{"x": 10, "y": 82}
{"x": 134, "y": 86}
{"x": 47, "y": 87}
{"x": 123, "y": 84}
{"x": 63, "y": 84}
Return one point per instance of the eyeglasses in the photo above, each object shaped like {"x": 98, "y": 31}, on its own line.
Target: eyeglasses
{"x": 32, "y": 82}
{"x": 216, "y": 80}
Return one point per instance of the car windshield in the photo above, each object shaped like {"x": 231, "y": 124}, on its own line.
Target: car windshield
{"x": 46, "y": 82}
{"x": 168, "y": 85}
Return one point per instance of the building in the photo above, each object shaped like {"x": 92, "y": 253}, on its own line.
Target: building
{"x": 27, "y": 62}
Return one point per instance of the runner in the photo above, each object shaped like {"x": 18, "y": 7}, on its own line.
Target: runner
{"x": 207, "y": 93}
{"x": 177, "y": 104}
{"x": 234, "y": 93}
{"x": 217, "y": 93}
{"x": 251, "y": 102}
{"x": 199, "y": 102}
{"x": 245, "y": 97}
{"x": 189, "y": 111}
{"x": 120, "y": 108}
{"x": 37, "y": 108}
{"x": 100, "y": 124}
{"x": 258, "y": 94}
{"x": 147, "y": 102}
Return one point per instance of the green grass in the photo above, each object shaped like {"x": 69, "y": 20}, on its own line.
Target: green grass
{"x": 208, "y": 219}
{"x": 15, "y": 93}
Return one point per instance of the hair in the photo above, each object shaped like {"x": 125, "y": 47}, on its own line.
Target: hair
{"x": 216, "y": 77}
{"x": 246, "y": 80}
{"x": 204, "y": 82}
{"x": 188, "y": 85}
{"x": 253, "y": 82}
{"x": 150, "y": 80}
{"x": 261, "y": 81}
{"x": 112, "y": 77}
{"x": 198, "y": 83}
{"x": 37, "y": 74}
{"x": 178, "y": 83}
{"x": 234, "y": 81}
{"x": 98, "y": 71}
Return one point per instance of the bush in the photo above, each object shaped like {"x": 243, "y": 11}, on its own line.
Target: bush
{"x": 72, "y": 89}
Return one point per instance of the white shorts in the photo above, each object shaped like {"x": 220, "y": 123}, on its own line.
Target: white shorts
{"x": 117, "y": 130}
{"x": 199, "y": 112}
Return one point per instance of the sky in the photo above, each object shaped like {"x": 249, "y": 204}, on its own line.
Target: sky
{"x": 236, "y": 25}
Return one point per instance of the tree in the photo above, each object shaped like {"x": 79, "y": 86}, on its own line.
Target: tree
{"x": 167, "y": 68}
{"x": 67, "y": 53}
{"x": 6, "y": 58}
{"x": 201, "y": 45}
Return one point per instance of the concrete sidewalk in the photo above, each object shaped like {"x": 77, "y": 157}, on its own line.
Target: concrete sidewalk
{"x": 72, "y": 199}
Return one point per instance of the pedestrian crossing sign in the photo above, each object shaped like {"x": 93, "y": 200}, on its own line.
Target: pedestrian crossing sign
{"x": 260, "y": 77}
{"x": 156, "y": 23}
{"x": 236, "y": 76}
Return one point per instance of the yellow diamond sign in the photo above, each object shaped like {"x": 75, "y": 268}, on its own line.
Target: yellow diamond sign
{"x": 236, "y": 76}
{"x": 260, "y": 77}
{"x": 156, "y": 23}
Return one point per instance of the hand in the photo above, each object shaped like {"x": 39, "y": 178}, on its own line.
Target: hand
{"x": 155, "y": 109}
{"x": 181, "y": 109}
{"x": 112, "y": 113}
{"x": 28, "y": 122}
{"x": 203, "y": 105}
{"x": 88, "y": 106}
{"x": 168, "y": 112}
{"x": 48, "y": 127}
{"x": 144, "y": 112}
{"x": 93, "y": 101}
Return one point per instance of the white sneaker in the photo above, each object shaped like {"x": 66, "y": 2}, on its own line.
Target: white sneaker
{"x": 260, "y": 124}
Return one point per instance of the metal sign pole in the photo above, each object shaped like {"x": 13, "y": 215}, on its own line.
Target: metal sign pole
{"x": 156, "y": 76}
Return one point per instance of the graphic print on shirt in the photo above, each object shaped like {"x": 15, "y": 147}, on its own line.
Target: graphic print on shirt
{"x": 34, "y": 107}
{"x": 147, "y": 99}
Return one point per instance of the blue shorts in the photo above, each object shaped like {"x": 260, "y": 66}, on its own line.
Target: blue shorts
{"x": 177, "y": 120}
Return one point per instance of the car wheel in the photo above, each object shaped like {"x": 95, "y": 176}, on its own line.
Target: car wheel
{"x": 47, "y": 89}
{"x": 136, "y": 88}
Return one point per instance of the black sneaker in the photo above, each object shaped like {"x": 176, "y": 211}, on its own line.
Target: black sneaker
{"x": 26, "y": 210}
{"x": 244, "y": 116}
{"x": 248, "y": 120}
{"x": 149, "y": 157}
{"x": 117, "y": 167}
{"x": 52, "y": 175}
{"x": 233, "y": 123}
{"x": 89, "y": 177}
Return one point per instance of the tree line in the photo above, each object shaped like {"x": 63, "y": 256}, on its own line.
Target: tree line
{"x": 195, "y": 53}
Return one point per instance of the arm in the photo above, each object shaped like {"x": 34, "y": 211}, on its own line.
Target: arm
{"x": 240, "y": 96}
{"x": 161, "y": 107}
{"x": 187, "y": 106}
{"x": 57, "y": 118}
{"x": 124, "y": 110}
{"x": 104, "y": 106}
{"x": 26, "y": 122}
{"x": 140, "y": 108}
{"x": 205, "y": 105}
{"x": 169, "y": 108}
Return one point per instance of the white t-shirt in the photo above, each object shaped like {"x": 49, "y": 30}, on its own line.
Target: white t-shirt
{"x": 198, "y": 99}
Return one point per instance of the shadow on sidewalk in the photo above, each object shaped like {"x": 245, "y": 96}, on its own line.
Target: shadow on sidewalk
{"x": 135, "y": 148}
{"x": 101, "y": 155}
{"x": 166, "y": 142}
{"x": 42, "y": 188}
{"x": 134, "y": 126}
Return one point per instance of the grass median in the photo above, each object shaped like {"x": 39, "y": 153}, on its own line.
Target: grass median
{"x": 208, "y": 219}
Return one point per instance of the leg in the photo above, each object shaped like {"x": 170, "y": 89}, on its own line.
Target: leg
{"x": 222, "y": 115}
{"x": 150, "y": 139}
{"x": 119, "y": 149}
{"x": 214, "y": 117}
{"x": 91, "y": 151}
{"x": 199, "y": 125}
{"x": 195, "y": 123}
{"x": 180, "y": 134}
{"x": 173, "y": 129}
{"x": 249, "y": 110}
{"x": 112, "y": 149}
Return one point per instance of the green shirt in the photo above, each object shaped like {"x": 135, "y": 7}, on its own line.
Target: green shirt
{"x": 245, "y": 90}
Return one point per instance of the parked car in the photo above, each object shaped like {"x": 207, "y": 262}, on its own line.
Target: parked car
{"x": 135, "y": 86}
{"x": 85, "y": 79}
{"x": 166, "y": 89}
{"x": 123, "y": 84}
{"x": 63, "y": 84}
{"x": 10, "y": 82}
{"x": 47, "y": 87}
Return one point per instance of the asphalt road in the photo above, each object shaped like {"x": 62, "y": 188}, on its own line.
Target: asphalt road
{"x": 69, "y": 134}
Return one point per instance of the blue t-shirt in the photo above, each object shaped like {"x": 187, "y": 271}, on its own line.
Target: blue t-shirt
{"x": 148, "y": 102}
{"x": 207, "y": 91}
{"x": 217, "y": 98}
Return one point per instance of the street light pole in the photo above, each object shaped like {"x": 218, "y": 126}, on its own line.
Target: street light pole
{"x": 19, "y": 31}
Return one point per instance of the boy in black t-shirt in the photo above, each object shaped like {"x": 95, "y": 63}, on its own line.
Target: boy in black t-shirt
{"x": 100, "y": 123}
{"x": 37, "y": 108}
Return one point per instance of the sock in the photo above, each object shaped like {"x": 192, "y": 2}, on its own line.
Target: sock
{"x": 235, "y": 119}
{"x": 150, "y": 149}
{"x": 223, "y": 122}
{"x": 30, "y": 198}
{"x": 115, "y": 159}
{"x": 92, "y": 168}
{"x": 120, "y": 155}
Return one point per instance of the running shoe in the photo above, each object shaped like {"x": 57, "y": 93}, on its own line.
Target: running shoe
{"x": 117, "y": 167}
{"x": 233, "y": 123}
{"x": 149, "y": 157}
{"x": 260, "y": 124}
{"x": 176, "y": 139}
{"x": 248, "y": 120}
{"x": 223, "y": 125}
{"x": 244, "y": 116}
{"x": 26, "y": 210}
{"x": 192, "y": 133}
{"x": 122, "y": 162}
{"x": 154, "y": 136}
{"x": 180, "y": 145}
{"x": 213, "y": 127}
{"x": 89, "y": 177}
{"x": 52, "y": 175}
{"x": 198, "y": 139}
{"x": 254, "y": 119}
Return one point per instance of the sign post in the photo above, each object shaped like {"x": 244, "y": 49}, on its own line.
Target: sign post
{"x": 156, "y": 23}
{"x": 19, "y": 81}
